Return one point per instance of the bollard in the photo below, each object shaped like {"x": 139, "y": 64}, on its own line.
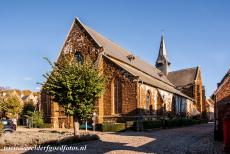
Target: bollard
{"x": 227, "y": 132}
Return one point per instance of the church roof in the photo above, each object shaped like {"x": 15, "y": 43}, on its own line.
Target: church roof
{"x": 117, "y": 52}
{"x": 183, "y": 77}
{"x": 146, "y": 78}
{"x": 148, "y": 73}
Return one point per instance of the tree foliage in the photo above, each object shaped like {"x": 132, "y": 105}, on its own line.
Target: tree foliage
{"x": 10, "y": 105}
{"x": 28, "y": 109}
{"x": 75, "y": 86}
{"x": 37, "y": 119}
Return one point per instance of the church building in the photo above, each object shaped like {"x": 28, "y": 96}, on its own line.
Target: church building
{"x": 135, "y": 89}
{"x": 187, "y": 80}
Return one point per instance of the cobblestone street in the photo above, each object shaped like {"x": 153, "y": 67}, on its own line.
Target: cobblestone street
{"x": 197, "y": 139}
{"x": 193, "y": 139}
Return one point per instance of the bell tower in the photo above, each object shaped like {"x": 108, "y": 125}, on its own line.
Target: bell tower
{"x": 162, "y": 62}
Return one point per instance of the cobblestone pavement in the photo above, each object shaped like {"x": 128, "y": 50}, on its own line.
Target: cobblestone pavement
{"x": 197, "y": 139}
{"x": 186, "y": 140}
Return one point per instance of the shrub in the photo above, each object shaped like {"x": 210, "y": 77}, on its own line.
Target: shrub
{"x": 173, "y": 123}
{"x": 28, "y": 109}
{"x": 152, "y": 124}
{"x": 204, "y": 121}
{"x": 180, "y": 122}
{"x": 37, "y": 120}
{"x": 111, "y": 127}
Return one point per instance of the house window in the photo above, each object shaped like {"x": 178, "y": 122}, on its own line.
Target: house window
{"x": 148, "y": 101}
{"x": 79, "y": 57}
{"x": 117, "y": 96}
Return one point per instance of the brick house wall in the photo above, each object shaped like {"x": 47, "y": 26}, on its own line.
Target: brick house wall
{"x": 224, "y": 92}
{"x": 222, "y": 105}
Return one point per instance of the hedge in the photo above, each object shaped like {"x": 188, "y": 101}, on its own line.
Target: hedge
{"x": 149, "y": 124}
{"x": 180, "y": 122}
{"x": 111, "y": 127}
{"x": 152, "y": 124}
{"x": 170, "y": 123}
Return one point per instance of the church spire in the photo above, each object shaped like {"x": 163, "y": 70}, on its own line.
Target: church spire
{"x": 163, "y": 62}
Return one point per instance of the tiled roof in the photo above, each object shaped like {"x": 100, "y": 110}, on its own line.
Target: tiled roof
{"x": 223, "y": 82}
{"x": 225, "y": 76}
{"x": 183, "y": 77}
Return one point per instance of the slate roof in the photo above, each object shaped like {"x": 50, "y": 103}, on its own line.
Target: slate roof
{"x": 114, "y": 50}
{"x": 147, "y": 79}
{"x": 120, "y": 56}
{"x": 183, "y": 77}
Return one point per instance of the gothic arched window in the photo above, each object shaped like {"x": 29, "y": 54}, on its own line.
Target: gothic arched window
{"x": 117, "y": 96}
{"x": 79, "y": 57}
{"x": 148, "y": 100}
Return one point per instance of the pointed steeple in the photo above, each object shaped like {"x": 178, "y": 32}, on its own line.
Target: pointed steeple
{"x": 162, "y": 62}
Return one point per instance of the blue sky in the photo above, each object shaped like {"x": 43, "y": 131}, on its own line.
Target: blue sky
{"x": 196, "y": 33}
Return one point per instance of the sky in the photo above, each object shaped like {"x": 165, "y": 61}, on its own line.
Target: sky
{"x": 196, "y": 32}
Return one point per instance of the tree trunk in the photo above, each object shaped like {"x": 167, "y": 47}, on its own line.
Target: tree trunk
{"x": 76, "y": 125}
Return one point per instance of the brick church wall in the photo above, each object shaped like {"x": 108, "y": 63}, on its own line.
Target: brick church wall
{"x": 79, "y": 41}
{"x": 200, "y": 93}
{"x": 153, "y": 99}
{"x": 197, "y": 92}
{"x": 128, "y": 95}
{"x": 188, "y": 90}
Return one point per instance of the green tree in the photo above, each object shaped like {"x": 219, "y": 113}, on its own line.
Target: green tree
{"x": 37, "y": 119}
{"x": 76, "y": 87}
{"x": 28, "y": 109}
{"x": 10, "y": 105}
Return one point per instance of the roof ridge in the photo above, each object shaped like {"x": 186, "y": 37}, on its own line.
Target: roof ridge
{"x": 196, "y": 67}
{"x": 113, "y": 42}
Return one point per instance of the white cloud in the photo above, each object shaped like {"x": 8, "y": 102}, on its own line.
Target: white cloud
{"x": 38, "y": 88}
{"x": 27, "y": 78}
